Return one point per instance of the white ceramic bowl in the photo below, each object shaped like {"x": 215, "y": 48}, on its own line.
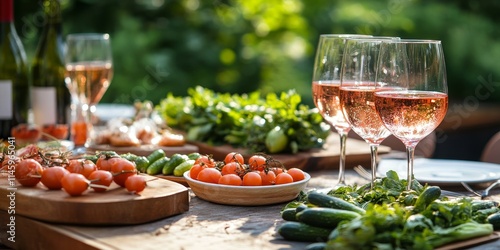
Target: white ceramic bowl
{"x": 246, "y": 195}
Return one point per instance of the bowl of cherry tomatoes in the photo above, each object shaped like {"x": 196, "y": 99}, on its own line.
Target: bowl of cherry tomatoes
{"x": 258, "y": 180}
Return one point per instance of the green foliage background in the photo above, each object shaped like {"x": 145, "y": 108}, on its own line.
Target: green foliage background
{"x": 239, "y": 46}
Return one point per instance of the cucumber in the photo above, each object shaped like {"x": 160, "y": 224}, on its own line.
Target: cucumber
{"x": 298, "y": 231}
{"x": 483, "y": 204}
{"x": 301, "y": 207}
{"x": 141, "y": 163}
{"x": 156, "y": 167}
{"x": 175, "y": 160}
{"x": 325, "y": 217}
{"x": 288, "y": 214}
{"x": 183, "y": 167}
{"x": 425, "y": 198}
{"x": 155, "y": 155}
{"x": 129, "y": 156}
{"x": 194, "y": 156}
{"x": 324, "y": 200}
{"x": 494, "y": 219}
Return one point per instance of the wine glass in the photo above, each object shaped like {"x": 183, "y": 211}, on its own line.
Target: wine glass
{"x": 418, "y": 68}
{"x": 325, "y": 89}
{"x": 89, "y": 68}
{"x": 357, "y": 88}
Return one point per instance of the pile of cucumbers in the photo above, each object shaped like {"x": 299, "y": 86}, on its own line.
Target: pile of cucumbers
{"x": 315, "y": 222}
{"x": 175, "y": 165}
{"x": 157, "y": 162}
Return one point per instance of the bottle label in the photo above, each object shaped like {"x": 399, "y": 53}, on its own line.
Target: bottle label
{"x": 44, "y": 105}
{"x": 6, "y": 99}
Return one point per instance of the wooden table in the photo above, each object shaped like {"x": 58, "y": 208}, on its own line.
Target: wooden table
{"x": 204, "y": 226}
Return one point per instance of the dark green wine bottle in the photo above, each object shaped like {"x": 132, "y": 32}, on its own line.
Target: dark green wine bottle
{"x": 50, "y": 98}
{"x": 14, "y": 84}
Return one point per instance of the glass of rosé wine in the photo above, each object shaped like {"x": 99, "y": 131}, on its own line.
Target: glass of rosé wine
{"x": 357, "y": 89}
{"x": 414, "y": 111}
{"x": 89, "y": 70}
{"x": 325, "y": 89}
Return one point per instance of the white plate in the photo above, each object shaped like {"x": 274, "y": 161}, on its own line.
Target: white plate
{"x": 440, "y": 171}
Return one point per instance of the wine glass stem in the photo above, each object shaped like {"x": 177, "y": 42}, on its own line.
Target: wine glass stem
{"x": 410, "y": 153}
{"x": 373, "y": 155}
{"x": 343, "y": 139}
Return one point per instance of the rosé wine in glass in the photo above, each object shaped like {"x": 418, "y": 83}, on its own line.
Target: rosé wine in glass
{"x": 418, "y": 67}
{"x": 325, "y": 89}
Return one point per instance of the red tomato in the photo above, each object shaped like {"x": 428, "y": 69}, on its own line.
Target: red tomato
{"x": 257, "y": 162}
{"x": 230, "y": 179}
{"x": 277, "y": 171}
{"x": 268, "y": 178}
{"x": 28, "y": 172}
{"x": 232, "y": 168}
{"x": 51, "y": 177}
{"x": 102, "y": 178}
{"x": 195, "y": 170}
{"x": 252, "y": 179}
{"x": 210, "y": 175}
{"x": 105, "y": 161}
{"x": 234, "y": 156}
{"x": 81, "y": 166}
{"x": 75, "y": 184}
{"x": 205, "y": 160}
{"x": 135, "y": 183}
{"x": 284, "y": 178}
{"x": 121, "y": 170}
{"x": 296, "y": 173}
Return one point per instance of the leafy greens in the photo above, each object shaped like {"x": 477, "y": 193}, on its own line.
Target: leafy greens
{"x": 245, "y": 120}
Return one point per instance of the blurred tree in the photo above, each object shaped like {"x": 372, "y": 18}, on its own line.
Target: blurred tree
{"x": 238, "y": 46}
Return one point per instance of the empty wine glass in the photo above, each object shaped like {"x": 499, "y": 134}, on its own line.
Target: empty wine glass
{"x": 89, "y": 68}
{"x": 411, "y": 113}
{"x": 325, "y": 89}
{"x": 357, "y": 89}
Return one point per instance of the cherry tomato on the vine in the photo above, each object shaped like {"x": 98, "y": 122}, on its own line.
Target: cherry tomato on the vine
{"x": 277, "y": 171}
{"x": 28, "y": 172}
{"x": 234, "y": 157}
{"x": 284, "y": 178}
{"x": 257, "y": 162}
{"x": 206, "y": 161}
{"x": 252, "y": 179}
{"x": 75, "y": 184}
{"x": 195, "y": 170}
{"x": 232, "y": 168}
{"x": 105, "y": 161}
{"x": 268, "y": 178}
{"x": 230, "y": 179}
{"x": 296, "y": 173}
{"x": 81, "y": 166}
{"x": 135, "y": 183}
{"x": 121, "y": 170}
{"x": 100, "y": 177}
{"x": 51, "y": 177}
{"x": 210, "y": 175}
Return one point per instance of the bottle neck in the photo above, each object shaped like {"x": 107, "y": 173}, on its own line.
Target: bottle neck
{"x": 6, "y": 11}
{"x": 52, "y": 11}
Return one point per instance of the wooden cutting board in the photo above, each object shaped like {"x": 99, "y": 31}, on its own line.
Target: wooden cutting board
{"x": 328, "y": 157}
{"x": 116, "y": 206}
